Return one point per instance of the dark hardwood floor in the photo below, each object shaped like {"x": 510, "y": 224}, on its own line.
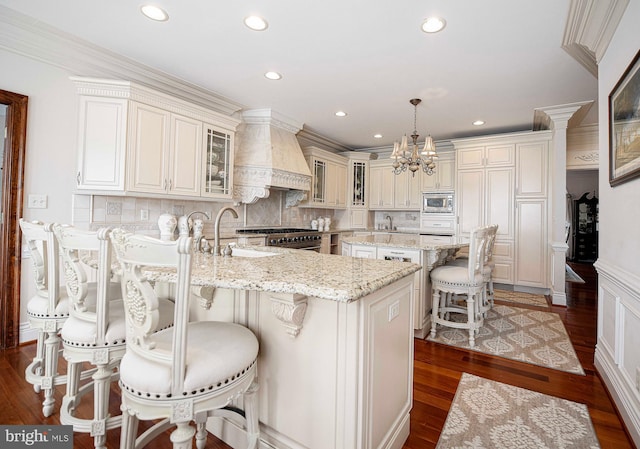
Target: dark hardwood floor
{"x": 438, "y": 369}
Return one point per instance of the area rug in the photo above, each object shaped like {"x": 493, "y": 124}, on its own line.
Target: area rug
{"x": 489, "y": 414}
{"x": 527, "y": 335}
{"x": 521, "y": 298}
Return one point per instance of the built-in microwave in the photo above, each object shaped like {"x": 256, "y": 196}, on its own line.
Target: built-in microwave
{"x": 437, "y": 203}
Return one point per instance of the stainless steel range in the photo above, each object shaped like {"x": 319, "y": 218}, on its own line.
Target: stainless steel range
{"x": 287, "y": 237}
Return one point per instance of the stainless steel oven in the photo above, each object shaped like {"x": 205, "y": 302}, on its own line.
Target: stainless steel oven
{"x": 296, "y": 238}
{"x": 438, "y": 203}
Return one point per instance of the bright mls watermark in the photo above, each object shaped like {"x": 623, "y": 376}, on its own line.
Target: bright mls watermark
{"x": 36, "y": 437}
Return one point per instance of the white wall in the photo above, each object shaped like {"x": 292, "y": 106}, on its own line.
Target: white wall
{"x": 617, "y": 354}
{"x": 50, "y": 161}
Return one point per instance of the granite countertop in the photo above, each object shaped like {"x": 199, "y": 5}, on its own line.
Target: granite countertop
{"x": 324, "y": 276}
{"x": 409, "y": 241}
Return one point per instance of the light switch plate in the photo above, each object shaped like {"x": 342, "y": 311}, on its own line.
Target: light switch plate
{"x": 37, "y": 201}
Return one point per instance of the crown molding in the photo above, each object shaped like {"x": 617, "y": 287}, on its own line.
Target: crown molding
{"x": 307, "y": 137}
{"x": 29, "y": 37}
{"x": 589, "y": 29}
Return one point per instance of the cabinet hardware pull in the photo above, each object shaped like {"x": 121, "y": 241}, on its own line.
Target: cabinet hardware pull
{"x": 78, "y": 179}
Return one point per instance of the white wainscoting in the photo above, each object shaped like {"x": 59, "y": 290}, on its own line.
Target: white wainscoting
{"x": 617, "y": 357}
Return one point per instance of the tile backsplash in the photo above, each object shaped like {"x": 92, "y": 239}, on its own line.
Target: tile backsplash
{"x": 141, "y": 215}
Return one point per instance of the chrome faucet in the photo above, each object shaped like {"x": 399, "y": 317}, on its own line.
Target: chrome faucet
{"x": 216, "y": 229}
{"x": 388, "y": 217}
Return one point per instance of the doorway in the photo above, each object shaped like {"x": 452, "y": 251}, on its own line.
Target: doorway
{"x": 14, "y": 131}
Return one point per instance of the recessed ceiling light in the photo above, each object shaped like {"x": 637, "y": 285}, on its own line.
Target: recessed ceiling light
{"x": 256, "y": 23}
{"x": 377, "y": 136}
{"x": 478, "y": 122}
{"x": 154, "y": 13}
{"x": 341, "y": 114}
{"x": 273, "y": 75}
{"x": 433, "y": 24}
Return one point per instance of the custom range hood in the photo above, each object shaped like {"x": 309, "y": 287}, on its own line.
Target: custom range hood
{"x": 268, "y": 156}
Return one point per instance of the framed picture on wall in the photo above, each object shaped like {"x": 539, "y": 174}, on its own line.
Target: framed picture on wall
{"x": 624, "y": 126}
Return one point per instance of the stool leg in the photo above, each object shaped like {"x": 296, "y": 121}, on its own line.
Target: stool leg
{"x": 101, "y": 384}
{"x": 129, "y": 429}
{"x": 51, "y": 347}
{"x": 435, "y": 309}
{"x": 471, "y": 319}
{"x": 69, "y": 401}
{"x": 38, "y": 360}
{"x": 183, "y": 434}
{"x": 201, "y": 430}
{"x": 251, "y": 414}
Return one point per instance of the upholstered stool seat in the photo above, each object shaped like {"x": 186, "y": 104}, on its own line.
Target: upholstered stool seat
{"x": 38, "y": 306}
{"x": 216, "y": 353}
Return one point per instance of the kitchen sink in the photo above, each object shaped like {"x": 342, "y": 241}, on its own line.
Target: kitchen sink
{"x": 246, "y": 252}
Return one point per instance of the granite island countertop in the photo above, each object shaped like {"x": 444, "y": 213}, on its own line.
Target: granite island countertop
{"x": 325, "y": 276}
{"x": 409, "y": 241}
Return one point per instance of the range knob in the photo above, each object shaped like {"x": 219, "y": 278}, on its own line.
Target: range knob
{"x": 273, "y": 242}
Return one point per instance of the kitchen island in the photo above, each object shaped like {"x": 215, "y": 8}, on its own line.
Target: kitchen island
{"x": 335, "y": 366}
{"x": 427, "y": 250}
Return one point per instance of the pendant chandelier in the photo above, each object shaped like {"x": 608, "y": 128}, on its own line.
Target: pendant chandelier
{"x": 405, "y": 158}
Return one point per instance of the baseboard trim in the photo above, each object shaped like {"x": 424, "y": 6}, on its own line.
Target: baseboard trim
{"x": 628, "y": 409}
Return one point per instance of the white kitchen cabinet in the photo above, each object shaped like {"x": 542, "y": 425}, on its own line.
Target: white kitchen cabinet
{"x": 381, "y": 187}
{"x": 133, "y": 140}
{"x": 531, "y": 255}
{"x": 482, "y": 155}
{"x": 485, "y": 194}
{"x": 532, "y": 166}
{"x": 329, "y": 179}
{"x": 443, "y": 180}
{"x": 217, "y": 160}
{"x": 390, "y": 191}
{"x": 531, "y": 229}
{"x": 102, "y": 142}
{"x": 363, "y": 251}
{"x": 407, "y": 192}
{"x": 165, "y": 152}
{"x": 356, "y": 215}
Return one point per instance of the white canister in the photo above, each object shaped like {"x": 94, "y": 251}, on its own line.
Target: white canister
{"x": 184, "y": 226}
{"x": 327, "y": 223}
{"x": 167, "y": 224}
{"x": 198, "y": 226}
{"x": 320, "y": 224}
{"x": 314, "y": 225}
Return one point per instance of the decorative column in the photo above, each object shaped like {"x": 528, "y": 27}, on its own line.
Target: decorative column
{"x": 557, "y": 119}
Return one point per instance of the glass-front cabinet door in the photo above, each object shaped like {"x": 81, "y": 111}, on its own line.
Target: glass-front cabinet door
{"x": 319, "y": 180}
{"x": 218, "y": 163}
{"x": 358, "y": 195}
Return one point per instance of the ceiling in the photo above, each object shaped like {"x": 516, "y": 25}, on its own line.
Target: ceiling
{"x": 496, "y": 60}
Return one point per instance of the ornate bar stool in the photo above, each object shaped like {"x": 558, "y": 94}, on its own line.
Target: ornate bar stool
{"x": 467, "y": 282}
{"x": 94, "y": 333}
{"x": 47, "y": 310}
{"x": 489, "y": 266}
{"x": 187, "y": 373}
